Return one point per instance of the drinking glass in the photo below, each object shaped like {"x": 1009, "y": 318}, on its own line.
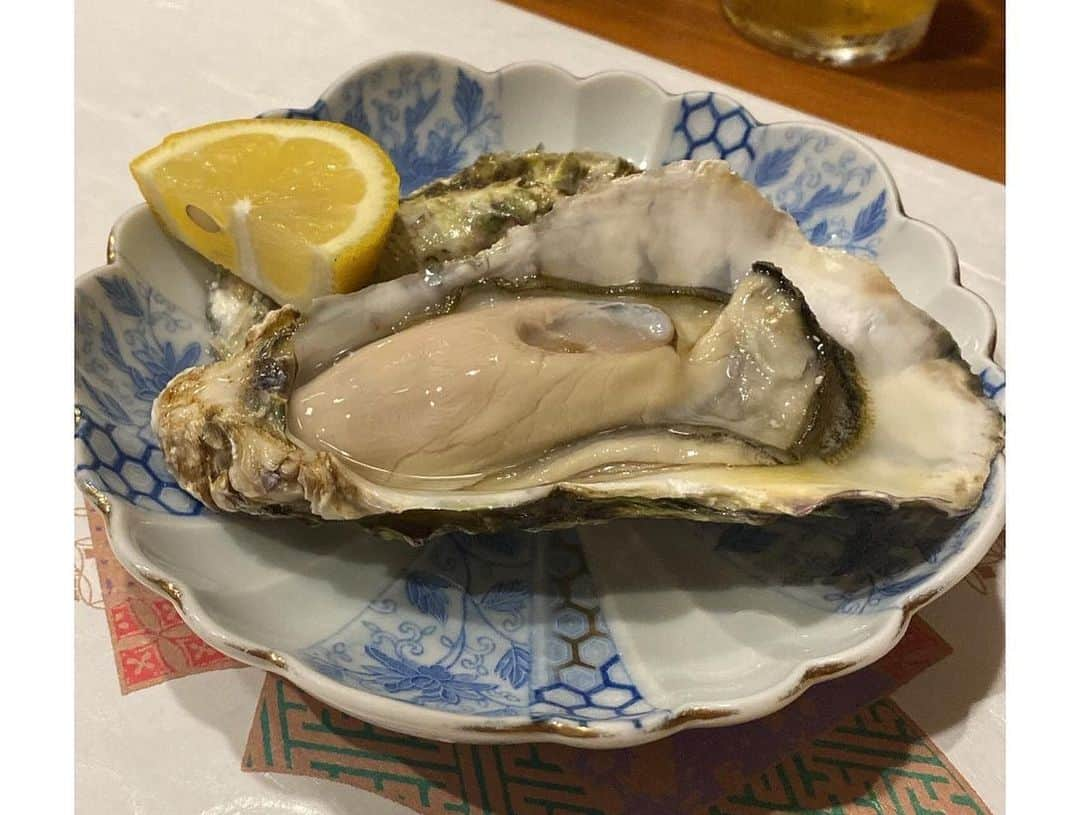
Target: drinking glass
{"x": 837, "y": 32}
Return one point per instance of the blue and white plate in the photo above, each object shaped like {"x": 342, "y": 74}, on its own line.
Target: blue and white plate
{"x": 603, "y": 636}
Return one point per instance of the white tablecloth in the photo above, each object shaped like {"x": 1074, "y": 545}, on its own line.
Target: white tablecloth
{"x": 145, "y": 69}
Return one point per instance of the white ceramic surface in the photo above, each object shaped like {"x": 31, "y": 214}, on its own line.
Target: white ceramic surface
{"x": 703, "y": 640}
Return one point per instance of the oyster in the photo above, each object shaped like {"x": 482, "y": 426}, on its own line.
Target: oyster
{"x": 627, "y": 354}
{"x": 461, "y": 215}
{"x": 447, "y": 219}
{"x": 233, "y": 306}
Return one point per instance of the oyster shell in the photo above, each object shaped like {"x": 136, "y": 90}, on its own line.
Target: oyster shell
{"x": 646, "y": 363}
{"x": 461, "y": 215}
{"x": 233, "y": 306}
{"x": 445, "y": 220}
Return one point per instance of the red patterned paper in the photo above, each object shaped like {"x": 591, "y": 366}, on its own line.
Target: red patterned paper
{"x": 150, "y": 641}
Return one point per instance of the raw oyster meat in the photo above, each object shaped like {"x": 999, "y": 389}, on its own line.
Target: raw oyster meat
{"x": 662, "y": 345}
{"x": 538, "y": 386}
{"x": 447, "y": 219}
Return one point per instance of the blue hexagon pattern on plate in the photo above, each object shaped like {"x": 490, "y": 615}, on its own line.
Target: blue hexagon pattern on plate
{"x": 130, "y": 341}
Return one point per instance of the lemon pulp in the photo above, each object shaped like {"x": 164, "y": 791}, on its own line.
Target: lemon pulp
{"x": 297, "y": 208}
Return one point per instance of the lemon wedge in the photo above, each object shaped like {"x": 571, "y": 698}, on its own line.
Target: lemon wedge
{"x": 297, "y": 208}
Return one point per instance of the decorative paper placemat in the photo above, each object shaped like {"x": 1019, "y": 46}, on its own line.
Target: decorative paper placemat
{"x": 151, "y": 644}
{"x": 840, "y": 748}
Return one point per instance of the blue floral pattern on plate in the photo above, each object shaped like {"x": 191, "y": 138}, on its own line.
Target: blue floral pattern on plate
{"x": 430, "y": 119}
{"x": 494, "y": 625}
{"x": 451, "y": 632}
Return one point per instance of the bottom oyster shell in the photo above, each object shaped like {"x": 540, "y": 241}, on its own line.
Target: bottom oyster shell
{"x": 688, "y": 381}
{"x": 234, "y": 432}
